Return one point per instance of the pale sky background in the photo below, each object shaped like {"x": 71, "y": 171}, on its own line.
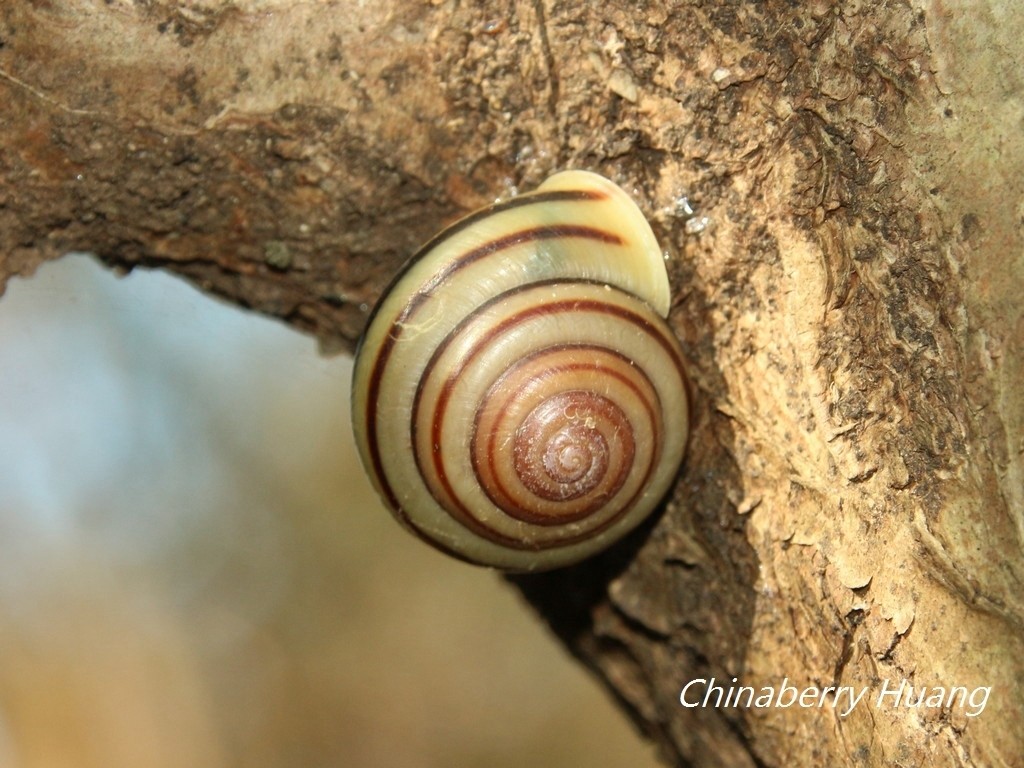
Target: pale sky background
{"x": 194, "y": 572}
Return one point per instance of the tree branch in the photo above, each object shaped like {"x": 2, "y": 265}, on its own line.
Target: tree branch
{"x": 852, "y": 508}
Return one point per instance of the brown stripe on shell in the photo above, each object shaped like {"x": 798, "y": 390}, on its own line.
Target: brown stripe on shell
{"x": 651, "y": 408}
{"x": 534, "y": 198}
{"x": 553, "y": 232}
{"x": 544, "y": 520}
{"x": 574, "y": 461}
{"x": 464, "y": 515}
{"x": 421, "y": 296}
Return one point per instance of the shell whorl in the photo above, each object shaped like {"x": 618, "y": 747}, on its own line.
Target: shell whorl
{"x": 518, "y": 399}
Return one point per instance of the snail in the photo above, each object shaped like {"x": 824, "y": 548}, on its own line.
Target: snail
{"x": 518, "y": 398}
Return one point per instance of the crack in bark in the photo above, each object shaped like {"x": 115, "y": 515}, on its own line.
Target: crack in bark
{"x": 43, "y": 96}
{"x": 549, "y": 60}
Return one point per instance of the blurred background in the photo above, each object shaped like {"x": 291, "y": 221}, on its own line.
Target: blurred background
{"x": 194, "y": 571}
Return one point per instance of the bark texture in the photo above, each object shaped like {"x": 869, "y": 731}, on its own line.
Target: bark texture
{"x": 847, "y": 290}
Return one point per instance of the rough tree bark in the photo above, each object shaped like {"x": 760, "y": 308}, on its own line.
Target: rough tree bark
{"x": 852, "y": 507}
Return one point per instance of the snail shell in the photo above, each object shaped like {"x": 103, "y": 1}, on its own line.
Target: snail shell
{"x": 518, "y": 399}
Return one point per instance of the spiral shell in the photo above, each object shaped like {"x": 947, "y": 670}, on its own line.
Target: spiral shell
{"x": 518, "y": 399}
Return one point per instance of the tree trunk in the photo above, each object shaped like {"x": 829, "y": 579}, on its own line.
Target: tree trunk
{"x": 847, "y": 290}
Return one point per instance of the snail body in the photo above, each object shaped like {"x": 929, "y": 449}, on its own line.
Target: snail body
{"x": 518, "y": 399}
